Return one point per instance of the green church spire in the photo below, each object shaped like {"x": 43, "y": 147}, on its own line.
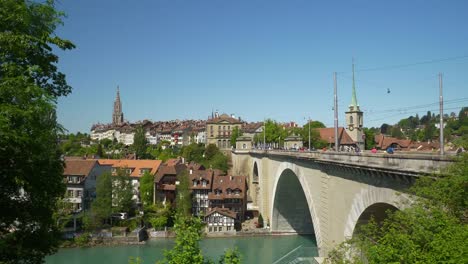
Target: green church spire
{"x": 354, "y": 105}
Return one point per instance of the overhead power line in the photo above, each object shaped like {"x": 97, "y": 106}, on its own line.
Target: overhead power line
{"x": 391, "y": 67}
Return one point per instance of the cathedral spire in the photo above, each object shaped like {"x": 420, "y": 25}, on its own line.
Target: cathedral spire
{"x": 354, "y": 104}
{"x": 117, "y": 115}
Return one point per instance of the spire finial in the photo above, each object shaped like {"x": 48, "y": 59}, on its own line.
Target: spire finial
{"x": 354, "y": 103}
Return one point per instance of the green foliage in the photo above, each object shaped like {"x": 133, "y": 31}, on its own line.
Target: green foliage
{"x": 83, "y": 239}
{"x": 158, "y": 215}
{"x": 210, "y": 151}
{"x": 194, "y": 152}
{"x": 140, "y": 144}
{"x": 101, "y": 207}
{"x": 122, "y": 191}
{"x": 236, "y": 133}
{"x": 231, "y": 256}
{"x": 147, "y": 189}
{"x": 99, "y": 151}
{"x": 184, "y": 197}
{"x": 260, "y": 221}
{"x": 63, "y": 212}
{"x": 30, "y": 85}
{"x": 369, "y": 137}
{"x": 186, "y": 249}
{"x": 432, "y": 229}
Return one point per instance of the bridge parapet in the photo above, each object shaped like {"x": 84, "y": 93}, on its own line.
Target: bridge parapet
{"x": 408, "y": 163}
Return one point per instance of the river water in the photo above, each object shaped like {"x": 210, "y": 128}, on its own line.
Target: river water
{"x": 258, "y": 249}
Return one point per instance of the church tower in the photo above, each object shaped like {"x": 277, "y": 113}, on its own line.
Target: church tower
{"x": 117, "y": 115}
{"x": 354, "y": 120}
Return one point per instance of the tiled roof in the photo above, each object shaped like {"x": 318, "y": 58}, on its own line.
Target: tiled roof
{"x": 135, "y": 165}
{"x": 328, "y": 134}
{"x": 195, "y": 166}
{"x": 383, "y": 142}
{"x": 78, "y": 167}
{"x": 222, "y": 211}
{"x": 228, "y": 182}
{"x": 198, "y": 175}
{"x": 222, "y": 118}
{"x": 173, "y": 170}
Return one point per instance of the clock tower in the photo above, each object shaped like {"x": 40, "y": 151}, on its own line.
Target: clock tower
{"x": 354, "y": 119}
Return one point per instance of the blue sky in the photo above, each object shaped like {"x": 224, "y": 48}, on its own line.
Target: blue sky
{"x": 177, "y": 59}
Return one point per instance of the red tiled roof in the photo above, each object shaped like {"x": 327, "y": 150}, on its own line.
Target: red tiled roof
{"x": 78, "y": 167}
{"x": 383, "y": 142}
{"x": 135, "y": 165}
{"x": 169, "y": 171}
{"x": 198, "y": 175}
{"x": 328, "y": 134}
{"x": 228, "y": 182}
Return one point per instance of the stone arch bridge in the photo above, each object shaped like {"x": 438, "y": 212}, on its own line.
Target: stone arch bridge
{"x": 328, "y": 193}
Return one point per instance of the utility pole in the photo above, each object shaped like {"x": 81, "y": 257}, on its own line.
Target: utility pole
{"x": 264, "y": 134}
{"x": 337, "y": 144}
{"x": 441, "y": 102}
{"x": 309, "y": 133}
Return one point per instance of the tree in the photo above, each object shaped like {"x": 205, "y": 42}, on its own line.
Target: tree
{"x": 99, "y": 151}
{"x": 231, "y": 256}
{"x": 140, "y": 144}
{"x": 369, "y": 138}
{"x": 122, "y": 191}
{"x": 260, "y": 221}
{"x": 184, "y": 198}
{"x": 236, "y": 133}
{"x": 30, "y": 85}
{"x": 210, "y": 151}
{"x": 101, "y": 207}
{"x": 433, "y": 229}
{"x": 146, "y": 188}
{"x": 186, "y": 249}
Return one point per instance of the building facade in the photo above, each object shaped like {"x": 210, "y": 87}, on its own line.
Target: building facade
{"x": 80, "y": 177}
{"x": 219, "y": 130}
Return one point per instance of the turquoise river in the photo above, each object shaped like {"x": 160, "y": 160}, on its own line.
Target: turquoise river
{"x": 256, "y": 249}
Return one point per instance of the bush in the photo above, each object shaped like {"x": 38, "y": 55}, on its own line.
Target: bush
{"x": 83, "y": 239}
{"x": 260, "y": 221}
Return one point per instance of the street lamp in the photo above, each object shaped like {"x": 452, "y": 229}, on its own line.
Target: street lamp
{"x": 309, "y": 130}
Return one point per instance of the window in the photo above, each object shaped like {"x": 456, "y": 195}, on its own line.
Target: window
{"x": 215, "y": 229}
{"x": 228, "y": 228}
{"x": 350, "y": 120}
{"x": 194, "y": 183}
{"x": 204, "y": 183}
{"x": 70, "y": 193}
{"x": 69, "y": 179}
{"x": 210, "y": 229}
{"x": 78, "y": 194}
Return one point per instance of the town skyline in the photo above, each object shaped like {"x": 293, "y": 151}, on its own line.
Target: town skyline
{"x": 182, "y": 60}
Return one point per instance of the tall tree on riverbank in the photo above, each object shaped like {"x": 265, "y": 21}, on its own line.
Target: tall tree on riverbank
{"x": 30, "y": 165}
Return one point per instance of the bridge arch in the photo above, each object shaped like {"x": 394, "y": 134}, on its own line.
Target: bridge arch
{"x": 372, "y": 201}
{"x": 293, "y": 208}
